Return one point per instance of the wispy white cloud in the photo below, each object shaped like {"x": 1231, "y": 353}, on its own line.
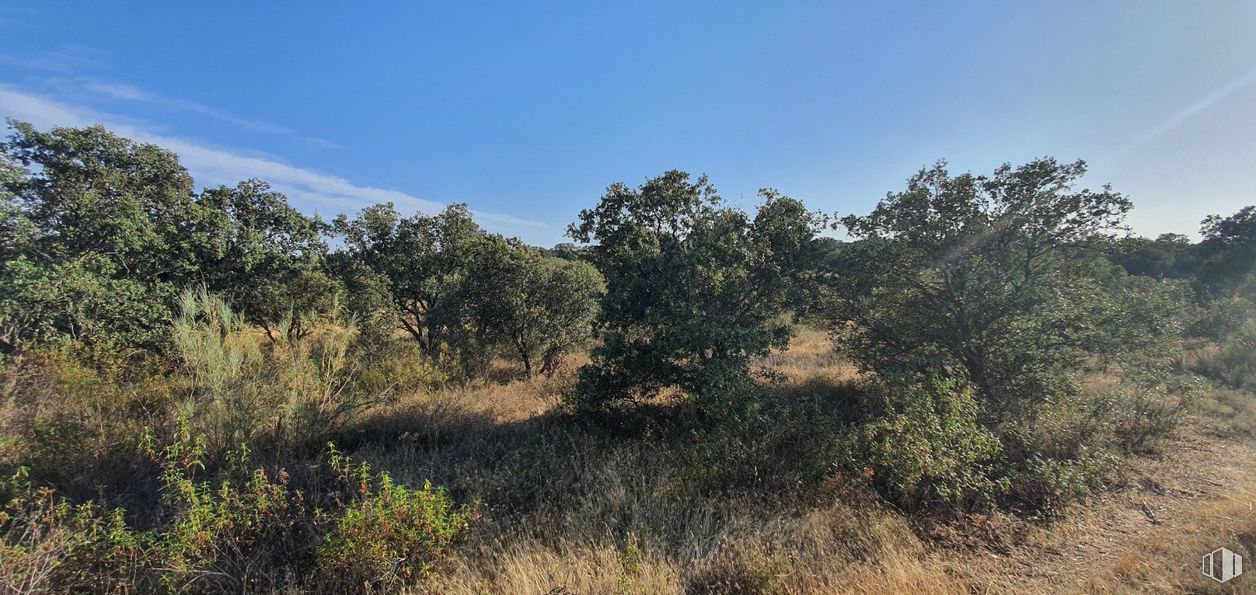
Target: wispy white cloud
{"x": 128, "y": 92}
{"x": 63, "y": 58}
{"x": 1174, "y": 121}
{"x": 213, "y": 165}
{"x": 117, "y": 91}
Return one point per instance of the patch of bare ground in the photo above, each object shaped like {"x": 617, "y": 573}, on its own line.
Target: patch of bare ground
{"x": 1145, "y": 536}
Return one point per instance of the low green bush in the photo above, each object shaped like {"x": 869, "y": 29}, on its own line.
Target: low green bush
{"x": 398, "y": 368}
{"x": 248, "y": 529}
{"x": 386, "y": 534}
{"x": 1150, "y": 410}
{"x": 1234, "y": 361}
{"x": 927, "y": 448}
{"x": 1064, "y": 451}
{"x": 72, "y": 416}
{"x": 233, "y": 534}
{"x": 47, "y": 544}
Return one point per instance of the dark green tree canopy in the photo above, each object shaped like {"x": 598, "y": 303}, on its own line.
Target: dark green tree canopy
{"x": 1229, "y": 248}
{"x": 961, "y": 273}
{"x": 88, "y": 191}
{"x": 267, "y": 258}
{"x": 98, "y": 233}
{"x": 690, "y": 282}
{"x": 1170, "y": 256}
{"x": 539, "y": 307}
{"x": 424, "y": 258}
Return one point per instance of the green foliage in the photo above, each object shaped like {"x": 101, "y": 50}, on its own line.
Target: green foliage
{"x": 368, "y": 299}
{"x": 248, "y": 530}
{"x": 48, "y": 544}
{"x": 1135, "y": 320}
{"x": 1064, "y": 451}
{"x": 294, "y": 392}
{"x": 424, "y": 260}
{"x": 928, "y": 449}
{"x": 539, "y": 307}
{"x": 1010, "y": 286}
{"x": 388, "y": 535}
{"x": 99, "y": 220}
{"x": 1150, "y": 407}
{"x": 977, "y": 276}
{"x": 88, "y": 191}
{"x": 100, "y": 233}
{"x": 689, "y": 283}
{"x": 268, "y": 257}
{"x": 1169, "y": 256}
{"x": 81, "y": 300}
{"x": 396, "y": 369}
{"x": 72, "y": 414}
{"x": 1229, "y": 249}
{"x": 1234, "y": 362}
{"x": 224, "y": 535}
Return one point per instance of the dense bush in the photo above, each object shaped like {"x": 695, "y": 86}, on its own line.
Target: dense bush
{"x": 976, "y": 276}
{"x": 248, "y": 530}
{"x": 292, "y": 391}
{"x": 108, "y": 230}
{"x": 1228, "y": 250}
{"x": 50, "y": 545}
{"x": 387, "y": 535}
{"x": 81, "y": 300}
{"x": 424, "y": 260}
{"x": 73, "y": 415}
{"x": 927, "y": 448}
{"x": 995, "y": 281}
{"x": 537, "y": 307}
{"x": 690, "y": 284}
{"x": 1149, "y": 407}
{"x": 1234, "y": 360}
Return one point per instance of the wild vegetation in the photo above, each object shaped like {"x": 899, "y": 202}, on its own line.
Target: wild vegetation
{"x": 211, "y": 391}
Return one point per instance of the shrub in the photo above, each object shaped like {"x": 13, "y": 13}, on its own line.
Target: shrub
{"x": 73, "y": 415}
{"x": 109, "y": 271}
{"x": 294, "y": 392}
{"x": 419, "y": 263}
{"x": 1045, "y": 484}
{"x": 246, "y": 530}
{"x": 387, "y": 535}
{"x": 691, "y": 283}
{"x": 235, "y": 534}
{"x": 1234, "y": 362}
{"x": 1063, "y": 452}
{"x": 47, "y": 544}
{"x": 1150, "y": 408}
{"x": 927, "y": 447}
{"x": 980, "y": 276}
{"x": 537, "y": 307}
{"x": 396, "y": 369}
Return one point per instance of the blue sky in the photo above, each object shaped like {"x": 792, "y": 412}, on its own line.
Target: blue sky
{"x": 527, "y": 111}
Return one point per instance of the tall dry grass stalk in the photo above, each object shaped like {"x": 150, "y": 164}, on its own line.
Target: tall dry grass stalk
{"x": 291, "y": 390}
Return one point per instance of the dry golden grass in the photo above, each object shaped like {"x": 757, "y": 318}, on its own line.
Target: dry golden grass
{"x": 810, "y": 359}
{"x": 620, "y": 504}
{"x": 571, "y": 507}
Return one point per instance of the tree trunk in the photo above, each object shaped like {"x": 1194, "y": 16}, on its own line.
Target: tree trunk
{"x": 551, "y": 362}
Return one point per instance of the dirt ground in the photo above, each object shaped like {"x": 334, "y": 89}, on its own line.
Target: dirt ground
{"x": 1197, "y": 495}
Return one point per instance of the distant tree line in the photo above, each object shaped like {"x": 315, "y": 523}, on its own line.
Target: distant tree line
{"x": 99, "y": 235}
{"x": 973, "y": 305}
{"x": 1008, "y": 281}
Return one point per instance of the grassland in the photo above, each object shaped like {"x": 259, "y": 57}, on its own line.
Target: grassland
{"x": 571, "y": 505}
